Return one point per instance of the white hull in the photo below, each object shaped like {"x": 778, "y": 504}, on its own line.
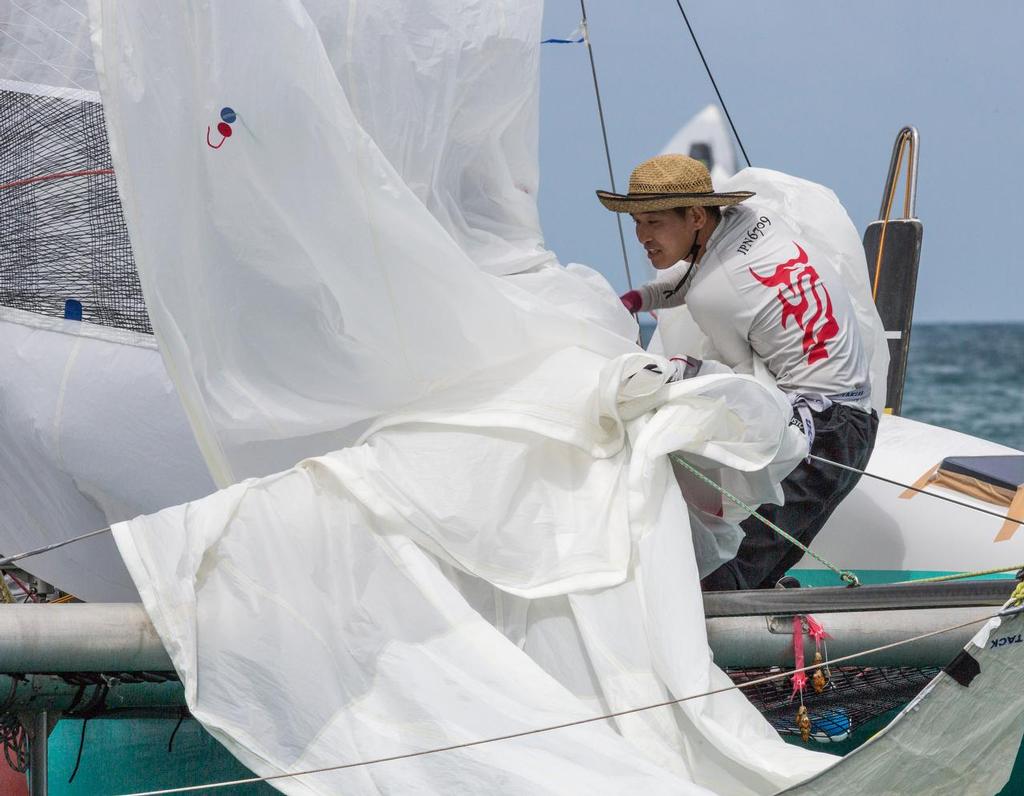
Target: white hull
{"x": 876, "y": 529}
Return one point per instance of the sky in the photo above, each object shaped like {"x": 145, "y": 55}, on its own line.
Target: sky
{"x": 818, "y": 89}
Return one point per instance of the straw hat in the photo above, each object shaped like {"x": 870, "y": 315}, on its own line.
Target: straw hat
{"x": 668, "y": 181}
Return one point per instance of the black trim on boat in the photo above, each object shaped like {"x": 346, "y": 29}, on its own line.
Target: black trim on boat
{"x": 833, "y": 599}
{"x": 963, "y": 668}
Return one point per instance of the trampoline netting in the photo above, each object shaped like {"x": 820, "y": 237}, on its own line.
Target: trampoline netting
{"x": 854, "y": 696}
{"x": 62, "y": 233}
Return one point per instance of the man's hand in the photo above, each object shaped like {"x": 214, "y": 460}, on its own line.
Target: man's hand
{"x": 631, "y": 301}
{"x": 685, "y": 368}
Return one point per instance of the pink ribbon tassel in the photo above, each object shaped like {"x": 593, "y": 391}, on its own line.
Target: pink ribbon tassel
{"x": 815, "y": 630}
{"x": 799, "y": 678}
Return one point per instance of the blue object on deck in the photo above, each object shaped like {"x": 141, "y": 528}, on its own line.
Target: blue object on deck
{"x": 1006, "y": 472}
{"x": 831, "y": 726}
{"x": 73, "y": 310}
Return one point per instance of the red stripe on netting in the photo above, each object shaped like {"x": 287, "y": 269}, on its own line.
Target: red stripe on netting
{"x": 61, "y": 175}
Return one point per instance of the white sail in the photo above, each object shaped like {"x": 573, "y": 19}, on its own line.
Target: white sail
{"x": 306, "y": 297}
{"x": 91, "y": 429}
{"x": 505, "y": 548}
{"x": 300, "y": 244}
{"x": 47, "y": 45}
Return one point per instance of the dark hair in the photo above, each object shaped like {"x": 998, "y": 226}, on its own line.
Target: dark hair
{"x": 713, "y": 211}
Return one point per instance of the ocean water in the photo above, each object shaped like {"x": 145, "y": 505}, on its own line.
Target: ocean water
{"x": 965, "y": 376}
{"x": 968, "y": 377}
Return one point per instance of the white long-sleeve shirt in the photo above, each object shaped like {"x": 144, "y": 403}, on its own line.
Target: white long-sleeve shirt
{"x": 760, "y": 289}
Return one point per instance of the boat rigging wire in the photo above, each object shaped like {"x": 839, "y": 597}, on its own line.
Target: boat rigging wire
{"x": 962, "y": 575}
{"x": 707, "y": 68}
{"x": 917, "y": 489}
{"x": 604, "y": 135}
{"x": 845, "y": 575}
{"x": 25, "y": 588}
{"x": 47, "y": 548}
{"x": 1005, "y": 612}
{"x": 906, "y": 140}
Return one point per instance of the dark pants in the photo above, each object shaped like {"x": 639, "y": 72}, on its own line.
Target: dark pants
{"x": 813, "y": 490}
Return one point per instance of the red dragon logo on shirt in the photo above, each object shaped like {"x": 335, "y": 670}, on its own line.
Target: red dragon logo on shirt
{"x": 804, "y": 288}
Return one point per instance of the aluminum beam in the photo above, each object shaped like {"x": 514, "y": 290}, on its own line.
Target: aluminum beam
{"x": 756, "y": 641}
{"x": 82, "y": 637}
{"x": 118, "y": 637}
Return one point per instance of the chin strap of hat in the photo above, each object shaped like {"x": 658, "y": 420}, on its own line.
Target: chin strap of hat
{"x": 692, "y": 256}
{"x": 694, "y": 250}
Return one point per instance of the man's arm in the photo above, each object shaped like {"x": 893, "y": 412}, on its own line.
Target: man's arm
{"x": 659, "y": 294}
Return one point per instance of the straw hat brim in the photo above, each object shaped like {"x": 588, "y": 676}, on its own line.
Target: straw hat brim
{"x": 651, "y": 202}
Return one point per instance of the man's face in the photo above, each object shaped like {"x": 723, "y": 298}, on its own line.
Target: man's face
{"x": 667, "y": 236}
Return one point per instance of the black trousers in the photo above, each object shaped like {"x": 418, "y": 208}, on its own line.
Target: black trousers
{"x": 813, "y": 490}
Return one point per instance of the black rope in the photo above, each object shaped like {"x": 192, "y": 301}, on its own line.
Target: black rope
{"x": 81, "y": 746}
{"x": 707, "y": 68}
{"x": 181, "y": 718}
{"x": 604, "y": 136}
{"x": 916, "y": 489}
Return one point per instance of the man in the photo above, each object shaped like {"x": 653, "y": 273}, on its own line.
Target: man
{"x": 757, "y": 290}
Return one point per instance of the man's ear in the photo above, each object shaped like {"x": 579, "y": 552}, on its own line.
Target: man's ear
{"x": 700, "y": 216}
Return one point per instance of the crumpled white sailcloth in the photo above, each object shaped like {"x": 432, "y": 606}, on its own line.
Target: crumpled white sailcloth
{"x": 310, "y": 628}
{"x": 91, "y": 432}
{"x": 498, "y": 542}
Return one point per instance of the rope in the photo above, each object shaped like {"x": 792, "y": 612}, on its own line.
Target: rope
{"x": 63, "y": 175}
{"x": 844, "y": 574}
{"x": 26, "y": 590}
{"x": 962, "y": 575}
{"x": 707, "y": 68}
{"x": 604, "y": 136}
{"x": 885, "y": 224}
{"x": 81, "y": 747}
{"x": 914, "y": 489}
{"x": 906, "y": 142}
{"x": 578, "y": 722}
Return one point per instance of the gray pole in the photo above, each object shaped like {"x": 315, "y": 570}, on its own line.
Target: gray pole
{"x": 37, "y": 753}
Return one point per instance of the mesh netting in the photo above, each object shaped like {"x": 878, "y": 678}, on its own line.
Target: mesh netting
{"x": 854, "y": 696}
{"x": 62, "y": 234}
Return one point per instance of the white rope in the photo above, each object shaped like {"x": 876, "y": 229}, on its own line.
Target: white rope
{"x": 616, "y": 714}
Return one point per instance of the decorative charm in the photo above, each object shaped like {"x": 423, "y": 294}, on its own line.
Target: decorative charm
{"x": 819, "y": 681}
{"x": 803, "y": 723}
{"x": 227, "y": 116}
